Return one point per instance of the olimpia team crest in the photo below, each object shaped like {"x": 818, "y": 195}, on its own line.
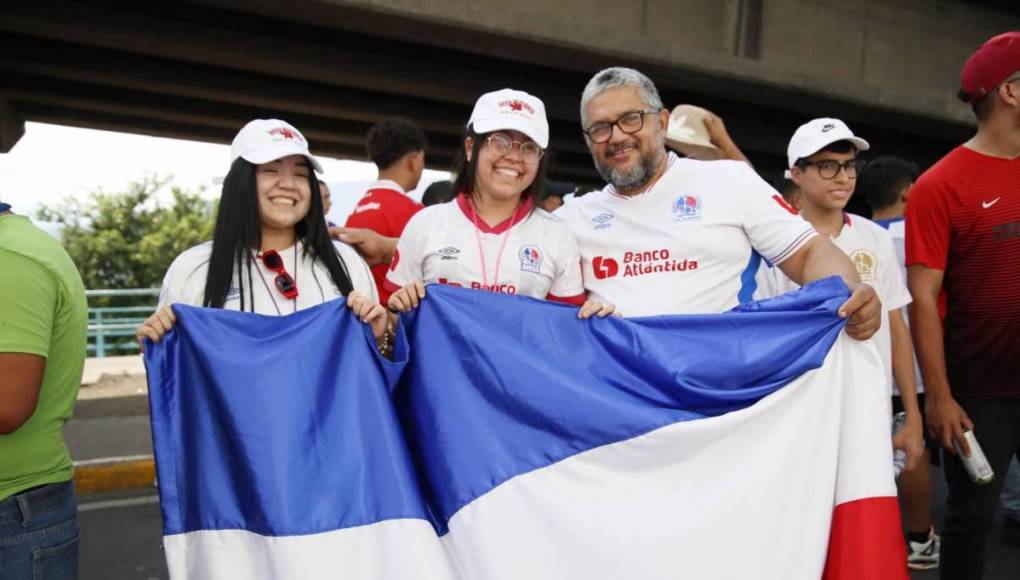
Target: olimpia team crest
{"x": 531, "y": 259}
{"x": 687, "y": 207}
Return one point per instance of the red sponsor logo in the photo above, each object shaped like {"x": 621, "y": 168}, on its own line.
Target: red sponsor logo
{"x": 499, "y": 288}
{"x": 779, "y": 199}
{"x": 604, "y": 267}
{"x": 285, "y": 133}
{"x": 640, "y": 264}
{"x": 653, "y": 262}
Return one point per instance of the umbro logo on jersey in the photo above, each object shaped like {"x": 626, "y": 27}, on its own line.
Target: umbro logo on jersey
{"x": 687, "y": 208}
{"x": 449, "y": 253}
{"x": 603, "y": 221}
{"x": 988, "y": 204}
{"x": 531, "y": 259}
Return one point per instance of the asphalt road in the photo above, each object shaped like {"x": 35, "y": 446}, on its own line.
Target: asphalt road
{"x": 120, "y": 540}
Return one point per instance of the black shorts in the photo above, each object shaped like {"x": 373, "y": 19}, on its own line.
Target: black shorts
{"x": 930, "y": 444}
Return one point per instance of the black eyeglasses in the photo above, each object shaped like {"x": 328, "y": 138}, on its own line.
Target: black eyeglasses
{"x": 503, "y": 145}
{"x": 829, "y": 168}
{"x": 629, "y": 123}
{"x": 283, "y": 281}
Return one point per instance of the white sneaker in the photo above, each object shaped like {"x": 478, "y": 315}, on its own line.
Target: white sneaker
{"x": 924, "y": 555}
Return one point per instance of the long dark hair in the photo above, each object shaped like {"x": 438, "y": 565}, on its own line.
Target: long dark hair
{"x": 238, "y": 237}
{"x": 465, "y": 170}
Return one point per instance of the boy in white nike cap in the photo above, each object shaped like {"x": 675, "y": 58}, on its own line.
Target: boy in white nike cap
{"x": 822, "y": 157}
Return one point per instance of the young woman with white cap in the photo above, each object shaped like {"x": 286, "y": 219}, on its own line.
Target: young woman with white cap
{"x": 490, "y": 237}
{"x": 271, "y": 252}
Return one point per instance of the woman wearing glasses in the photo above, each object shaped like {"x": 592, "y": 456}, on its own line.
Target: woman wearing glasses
{"x": 270, "y": 253}
{"x": 490, "y": 237}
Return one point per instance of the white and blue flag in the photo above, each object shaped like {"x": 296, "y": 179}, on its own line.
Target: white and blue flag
{"x": 509, "y": 440}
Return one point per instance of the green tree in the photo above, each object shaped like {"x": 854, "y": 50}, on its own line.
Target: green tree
{"x": 127, "y": 239}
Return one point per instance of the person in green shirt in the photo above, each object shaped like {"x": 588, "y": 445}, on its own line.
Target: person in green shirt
{"x": 43, "y": 322}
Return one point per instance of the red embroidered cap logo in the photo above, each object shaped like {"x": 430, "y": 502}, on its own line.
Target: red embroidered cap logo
{"x": 517, "y": 106}
{"x": 286, "y": 133}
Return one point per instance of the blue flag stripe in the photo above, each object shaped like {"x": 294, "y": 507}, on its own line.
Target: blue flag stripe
{"x": 285, "y": 425}
{"x": 501, "y": 386}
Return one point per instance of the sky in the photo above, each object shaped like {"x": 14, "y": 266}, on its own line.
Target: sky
{"x": 52, "y": 162}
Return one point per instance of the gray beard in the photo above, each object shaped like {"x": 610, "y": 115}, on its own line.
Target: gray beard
{"x": 635, "y": 178}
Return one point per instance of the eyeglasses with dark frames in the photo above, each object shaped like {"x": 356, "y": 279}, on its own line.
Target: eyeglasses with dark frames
{"x": 829, "y": 168}
{"x": 629, "y": 123}
{"x": 283, "y": 281}
{"x": 503, "y": 145}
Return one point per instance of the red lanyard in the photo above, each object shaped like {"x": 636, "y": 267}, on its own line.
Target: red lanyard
{"x": 481, "y": 250}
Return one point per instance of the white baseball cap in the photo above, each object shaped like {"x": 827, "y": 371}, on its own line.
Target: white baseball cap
{"x": 511, "y": 110}
{"x": 265, "y": 140}
{"x": 813, "y": 136}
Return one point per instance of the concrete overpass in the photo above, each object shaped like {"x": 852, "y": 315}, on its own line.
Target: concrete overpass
{"x": 200, "y": 69}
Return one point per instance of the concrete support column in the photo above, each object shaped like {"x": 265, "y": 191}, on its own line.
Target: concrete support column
{"x": 12, "y": 127}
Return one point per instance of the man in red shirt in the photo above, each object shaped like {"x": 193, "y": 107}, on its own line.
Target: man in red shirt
{"x": 397, "y": 147}
{"x": 963, "y": 236}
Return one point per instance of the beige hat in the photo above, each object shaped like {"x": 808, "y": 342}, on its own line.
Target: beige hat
{"x": 687, "y": 134}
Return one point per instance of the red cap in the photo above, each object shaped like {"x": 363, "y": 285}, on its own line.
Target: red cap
{"x": 990, "y": 65}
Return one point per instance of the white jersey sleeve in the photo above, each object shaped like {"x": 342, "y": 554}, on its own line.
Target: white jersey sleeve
{"x": 407, "y": 263}
{"x": 361, "y": 276}
{"x": 184, "y": 281}
{"x": 567, "y": 284}
{"x": 766, "y": 285}
{"x": 775, "y": 229}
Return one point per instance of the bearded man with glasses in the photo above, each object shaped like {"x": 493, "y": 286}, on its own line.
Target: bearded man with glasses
{"x": 682, "y": 236}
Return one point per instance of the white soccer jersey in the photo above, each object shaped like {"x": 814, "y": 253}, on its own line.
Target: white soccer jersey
{"x": 871, "y": 249}
{"x": 691, "y": 244}
{"x": 184, "y": 282}
{"x": 441, "y": 245}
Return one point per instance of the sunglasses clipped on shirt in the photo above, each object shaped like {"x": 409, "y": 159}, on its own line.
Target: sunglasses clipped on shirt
{"x": 283, "y": 281}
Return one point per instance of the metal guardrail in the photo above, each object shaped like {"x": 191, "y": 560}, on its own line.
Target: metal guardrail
{"x": 111, "y": 329}
{"x": 125, "y": 292}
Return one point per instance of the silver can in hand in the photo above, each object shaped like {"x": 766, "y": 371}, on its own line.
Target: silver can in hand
{"x": 977, "y": 466}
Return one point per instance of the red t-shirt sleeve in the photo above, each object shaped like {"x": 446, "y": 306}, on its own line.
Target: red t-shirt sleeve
{"x": 403, "y": 209}
{"x": 383, "y": 211}
{"x": 928, "y": 225}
